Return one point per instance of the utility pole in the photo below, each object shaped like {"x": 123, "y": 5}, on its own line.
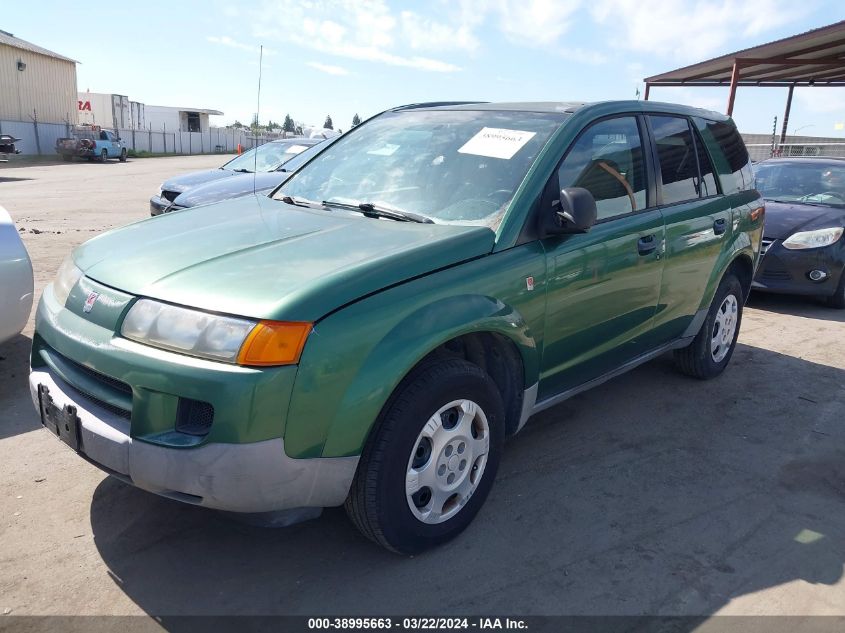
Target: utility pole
{"x": 774, "y": 136}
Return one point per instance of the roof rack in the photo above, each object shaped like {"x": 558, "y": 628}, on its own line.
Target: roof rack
{"x": 433, "y": 104}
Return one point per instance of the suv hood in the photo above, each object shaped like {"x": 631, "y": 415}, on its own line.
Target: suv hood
{"x": 261, "y": 258}
{"x": 227, "y": 188}
{"x": 183, "y": 183}
{"x": 783, "y": 219}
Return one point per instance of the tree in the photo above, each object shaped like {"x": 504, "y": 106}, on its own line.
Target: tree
{"x": 328, "y": 124}
{"x": 237, "y": 124}
{"x": 255, "y": 125}
{"x": 356, "y": 120}
{"x": 288, "y": 125}
{"x": 298, "y": 130}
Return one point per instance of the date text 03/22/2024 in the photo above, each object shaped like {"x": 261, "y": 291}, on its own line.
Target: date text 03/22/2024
{"x": 415, "y": 624}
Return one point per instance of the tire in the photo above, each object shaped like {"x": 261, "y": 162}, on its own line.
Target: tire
{"x": 67, "y": 158}
{"x": 123, "y": 155}
{"x": 379, "y": 503}
{"x": 837, "y": 300}
{"x": 700, "y": 358}
{"x": 104, "y": 156}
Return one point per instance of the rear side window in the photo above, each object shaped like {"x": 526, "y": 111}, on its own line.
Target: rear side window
{"x": 676, "y": 152}
{"x": 707, "y": 185}
{"x": 730, "y": 142}
{"x": 607, "y": 160}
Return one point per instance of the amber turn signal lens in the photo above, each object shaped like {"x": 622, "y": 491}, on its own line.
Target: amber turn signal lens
{"x": 274, "y": 343}
{"x": 758, "y": 213}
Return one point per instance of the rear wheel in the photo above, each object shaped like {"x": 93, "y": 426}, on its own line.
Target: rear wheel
{"x": 430, "y": 463}
{"x": 104, "y": 156}
{"x": 710, "y": 351}
{"x": 123, "y": 155}
{"x": 838, "y": 298}
{"x": 67, "y": 157}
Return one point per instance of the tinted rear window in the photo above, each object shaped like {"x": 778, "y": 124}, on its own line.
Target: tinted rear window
{"x": 730, "y": 142}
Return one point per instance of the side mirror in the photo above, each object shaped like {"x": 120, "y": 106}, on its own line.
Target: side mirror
{"x": 575, "y": 212}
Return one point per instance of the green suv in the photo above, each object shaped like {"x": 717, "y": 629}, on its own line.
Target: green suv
{"x": 371, "y": 332}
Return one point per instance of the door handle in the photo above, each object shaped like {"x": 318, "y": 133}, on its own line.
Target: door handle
{"x": 720, "y": 226}
{"x": 646, "y": 244}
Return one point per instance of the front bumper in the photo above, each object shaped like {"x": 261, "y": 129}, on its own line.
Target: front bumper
{"x": 129, "y": 397}
{"x": 786, "y": 271}
{"x": 256, "y": 477}
{"x": 159, "y": 205}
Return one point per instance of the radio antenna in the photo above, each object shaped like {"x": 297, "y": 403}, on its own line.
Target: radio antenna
{"x": 257, "y": 119}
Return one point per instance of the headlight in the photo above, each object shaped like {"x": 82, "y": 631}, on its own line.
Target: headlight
{"x": 222, "y": 338}
{"x": 813, "y": 239}
{"x": 65, "y": 279}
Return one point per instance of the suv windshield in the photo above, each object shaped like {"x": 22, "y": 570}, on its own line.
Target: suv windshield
{"x": 451, "y": 166}
{"x": 267, "y": 157}
{"x": 816, "y": 182}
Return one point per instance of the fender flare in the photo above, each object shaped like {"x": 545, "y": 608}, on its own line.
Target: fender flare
{"x": 399, "y": 351}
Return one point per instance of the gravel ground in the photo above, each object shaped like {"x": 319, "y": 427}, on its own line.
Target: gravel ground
{"x": 653, "y": 494}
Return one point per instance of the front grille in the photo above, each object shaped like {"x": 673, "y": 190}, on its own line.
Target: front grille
{"x": 113, "y": 383}
{"x": 194, "y": 417}
{"x": 108, "y": 383}
{"x": 776, "y": 275}
{"x": 170, "y": 196}
{"x": 774, "y": 270}
{"x": 123, "y": 413}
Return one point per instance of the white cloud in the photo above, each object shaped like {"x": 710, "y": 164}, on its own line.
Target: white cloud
{"x": 689, "y": 31}
{"x": 328, "y": 68}
{"x": 535, "y": 22}
{"x": 355, "y": 29}
{"x": 422, "y": 33}
{"x": 225, "y": 40}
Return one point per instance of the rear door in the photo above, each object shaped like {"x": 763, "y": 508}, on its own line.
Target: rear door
{"x": 602, "y": 286}
{"x": 698, "y": 222}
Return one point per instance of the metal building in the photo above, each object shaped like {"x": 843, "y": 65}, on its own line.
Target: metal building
{"x": 35, "y": 82}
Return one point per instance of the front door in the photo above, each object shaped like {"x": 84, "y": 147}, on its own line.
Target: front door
{"x": 603, "y": 286}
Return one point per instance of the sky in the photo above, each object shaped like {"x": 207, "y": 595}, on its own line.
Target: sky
{"x": 345, "y": 57}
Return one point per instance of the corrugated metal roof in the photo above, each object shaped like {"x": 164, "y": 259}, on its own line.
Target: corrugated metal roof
{"x": 775, "y": 63}
{"x": 10, "y": 40}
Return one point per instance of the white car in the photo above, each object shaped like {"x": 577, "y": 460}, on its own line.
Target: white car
{"x": 16, "y": 283}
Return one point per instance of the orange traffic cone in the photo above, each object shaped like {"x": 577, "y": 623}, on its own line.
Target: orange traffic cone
{"x": 240, "y": 149}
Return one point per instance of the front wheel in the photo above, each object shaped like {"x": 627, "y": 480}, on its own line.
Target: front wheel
{"x": 710, "y": 351}
{"x": 431, "y": 461}
{"x": 123, "y": 155}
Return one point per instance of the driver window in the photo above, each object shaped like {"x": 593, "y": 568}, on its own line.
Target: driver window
{"x": 607, "y": 160}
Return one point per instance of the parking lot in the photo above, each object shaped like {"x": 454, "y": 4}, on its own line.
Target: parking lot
{"x": 652, "y": 494}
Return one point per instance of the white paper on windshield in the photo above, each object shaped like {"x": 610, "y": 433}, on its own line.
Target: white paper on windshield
{"x": 385, "y": 150}
{"x": 295, "y": 149}
{"x": 496, "y": 142}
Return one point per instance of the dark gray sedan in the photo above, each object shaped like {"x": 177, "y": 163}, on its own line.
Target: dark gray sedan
{"x": 803, "y": 244}
{"x": 243, "y": 184}
{"x": 265, "y": 158}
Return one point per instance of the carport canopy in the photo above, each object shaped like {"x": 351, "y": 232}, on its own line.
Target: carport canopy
{"x": 814, "y": 58}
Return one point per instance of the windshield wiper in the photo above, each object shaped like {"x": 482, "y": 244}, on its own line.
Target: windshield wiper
{"x": 813, "y": 204}
{"x": 373, "y": 210}
{"x": 301, "y": 202}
